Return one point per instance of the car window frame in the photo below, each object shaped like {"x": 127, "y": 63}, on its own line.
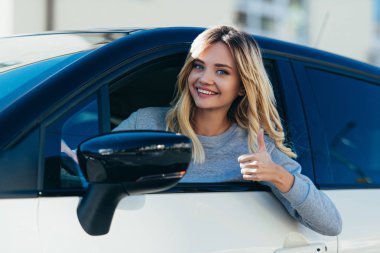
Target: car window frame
{"x": 294, "y": 121}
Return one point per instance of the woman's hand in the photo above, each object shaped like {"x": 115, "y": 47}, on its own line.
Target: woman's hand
{"x": 65, "y": 149}
{"x": 260, "y": 167}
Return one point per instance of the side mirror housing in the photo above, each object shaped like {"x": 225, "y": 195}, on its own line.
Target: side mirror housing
{"x": 127, "y": 163}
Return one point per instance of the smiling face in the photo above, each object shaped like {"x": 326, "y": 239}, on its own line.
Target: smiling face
{"x": 214, "y": 81}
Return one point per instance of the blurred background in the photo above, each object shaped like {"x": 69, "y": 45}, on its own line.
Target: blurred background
{"x": 346, "y": 27}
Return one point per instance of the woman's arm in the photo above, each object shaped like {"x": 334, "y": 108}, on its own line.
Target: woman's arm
{"x": 296, "y": 192}
{"x": 305, "y": 202}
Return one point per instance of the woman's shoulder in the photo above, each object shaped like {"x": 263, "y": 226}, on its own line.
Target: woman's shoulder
{"x": 152, "y": 118}
{"x": 152, "y": 112}
{"x": 148, "y": 118}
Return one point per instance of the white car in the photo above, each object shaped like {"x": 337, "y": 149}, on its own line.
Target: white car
{"x": 60, "y": 89}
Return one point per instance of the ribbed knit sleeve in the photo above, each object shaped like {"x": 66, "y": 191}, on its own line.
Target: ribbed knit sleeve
{"x": 304, "y": 201}
{"x": 128, "y": 124}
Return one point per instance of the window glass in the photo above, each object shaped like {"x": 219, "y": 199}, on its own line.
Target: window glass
{"x": 17, "y": 82}
{"x": 62, "y": 139}
{"x": 348, "y": 111}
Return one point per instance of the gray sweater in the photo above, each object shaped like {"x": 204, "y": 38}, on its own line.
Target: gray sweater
{"x": 304, "y": 201}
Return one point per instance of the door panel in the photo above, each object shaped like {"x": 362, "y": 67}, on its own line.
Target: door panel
{"x": 178, "y": 222}
{"x": 19, "y": 228}
{"x": 361, "y": 224}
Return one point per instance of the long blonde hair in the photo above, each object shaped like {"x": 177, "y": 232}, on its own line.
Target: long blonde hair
{"x": 255, "y": 110}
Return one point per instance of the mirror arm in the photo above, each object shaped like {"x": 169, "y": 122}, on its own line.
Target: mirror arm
{"x": 95, "y": 211}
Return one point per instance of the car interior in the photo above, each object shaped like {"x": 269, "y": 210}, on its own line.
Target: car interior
{"x": 152, "y": 85}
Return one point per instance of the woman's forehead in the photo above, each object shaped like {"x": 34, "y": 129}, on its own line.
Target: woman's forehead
{"x": 216, "y": 53}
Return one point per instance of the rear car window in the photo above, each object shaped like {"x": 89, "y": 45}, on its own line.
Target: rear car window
{"x": 348, "y": 110}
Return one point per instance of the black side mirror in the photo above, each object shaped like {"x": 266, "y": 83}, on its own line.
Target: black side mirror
{"x": 127, "y": 163}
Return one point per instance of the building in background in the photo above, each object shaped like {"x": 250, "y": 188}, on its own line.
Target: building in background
{"x": 23, "y": 16}
{"x": 346, "y": 27}
{"x": 27, "y": 16}
{"x": 282, "y": 19}
{"x": 374, "y": 56}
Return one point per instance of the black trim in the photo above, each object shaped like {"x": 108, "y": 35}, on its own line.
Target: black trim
{"x": 218, "y": 187}
{"x": 41, "y": 158}
{"x": 18, "y": 194}
{"x": 349, "y": 187}
{"x": 180, "y": 188}
{"x": 62, "y": 192}
{"x": 104, "y": 110}
{"x": 187, "y": 188}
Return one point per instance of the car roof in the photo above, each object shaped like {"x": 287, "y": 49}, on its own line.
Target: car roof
{"x": 20, "y": 50}
{"x": 268, "y": 45}
{"x": 89, "y": 31}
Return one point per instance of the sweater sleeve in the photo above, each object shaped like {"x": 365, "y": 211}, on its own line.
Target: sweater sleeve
{"x": 149, "y": 118}
{"x": 304, "y": 201}
{"x": 128, "y": 124}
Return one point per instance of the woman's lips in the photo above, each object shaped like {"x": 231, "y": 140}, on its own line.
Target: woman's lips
{"x": 204, "y": 93}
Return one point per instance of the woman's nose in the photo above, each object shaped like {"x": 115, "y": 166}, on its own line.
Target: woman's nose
{"x": 207, "y": 77}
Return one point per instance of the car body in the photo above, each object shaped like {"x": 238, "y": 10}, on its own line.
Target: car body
{"x": 75, "y": 85}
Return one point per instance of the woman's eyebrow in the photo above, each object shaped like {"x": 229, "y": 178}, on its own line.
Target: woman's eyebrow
{"x": 216, "y": 64}
{"x": 223, "y": 65}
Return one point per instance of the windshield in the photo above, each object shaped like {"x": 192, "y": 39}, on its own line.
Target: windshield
{"x": 19, "y": 51}
{"x": 13, "y": 84}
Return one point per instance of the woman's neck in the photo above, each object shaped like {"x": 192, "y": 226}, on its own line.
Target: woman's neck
{"x": 210, "y": 123}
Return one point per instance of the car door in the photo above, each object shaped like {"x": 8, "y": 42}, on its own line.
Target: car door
{"x": 227, "y": 217}
{"x": 19, "y": 157}
{"x": 18, "y": 197}
{"x": 341, "y": 104}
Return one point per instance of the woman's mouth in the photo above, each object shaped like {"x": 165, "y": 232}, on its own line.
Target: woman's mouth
{"x": 204, "y": 92}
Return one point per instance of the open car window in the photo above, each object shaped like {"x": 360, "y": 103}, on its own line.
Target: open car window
{"x": 154, "y": 86}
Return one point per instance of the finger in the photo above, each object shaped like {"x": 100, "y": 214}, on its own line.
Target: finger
{"x": 247, "y": 171}
{"x": 253, "y": 177}
{"x": 247, "y": 165}
{"x": 246, "y": 158}
{"x": 260, "y": 141}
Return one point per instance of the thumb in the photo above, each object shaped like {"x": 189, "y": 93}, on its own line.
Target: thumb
{"x": 260, "y": 141}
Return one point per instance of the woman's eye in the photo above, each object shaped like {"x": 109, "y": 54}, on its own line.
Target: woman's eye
{"x": 222, "y": 72}
{"x": 197, "y": 66}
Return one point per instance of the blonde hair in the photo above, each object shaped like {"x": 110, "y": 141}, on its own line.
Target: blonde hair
{"x": 255, "y": 110}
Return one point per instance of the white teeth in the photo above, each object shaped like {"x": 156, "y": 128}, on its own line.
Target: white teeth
{"x": 206, "y": 92}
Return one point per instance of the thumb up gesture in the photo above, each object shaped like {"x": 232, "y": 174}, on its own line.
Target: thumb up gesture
{"x": 260, "y": 167}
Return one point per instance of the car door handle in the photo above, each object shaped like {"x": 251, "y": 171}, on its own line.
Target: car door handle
{"x": 312, "y": 248}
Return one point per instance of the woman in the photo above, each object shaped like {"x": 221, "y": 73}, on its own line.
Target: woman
{"x": 225, "y": 103}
